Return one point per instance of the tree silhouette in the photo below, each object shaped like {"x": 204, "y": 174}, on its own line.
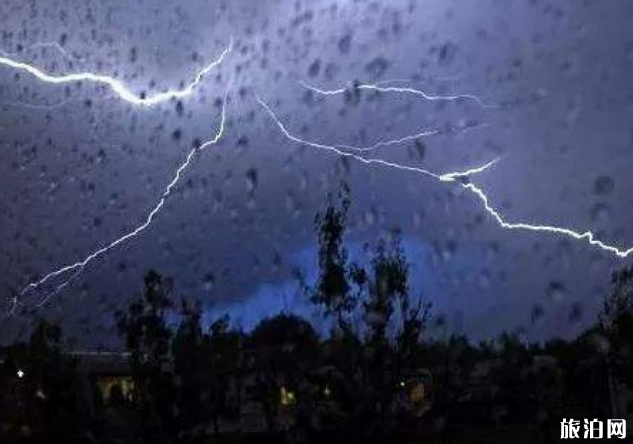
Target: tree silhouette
{"x": 222, "y": 353}
{"x": 47, "y": 377}
{"x": 147, "y": 336}
{"x": 617, "y": 325}
{"x": 188, "y": 350}
{"x": 333, "y": 289}
{"x": 285, "y": 352}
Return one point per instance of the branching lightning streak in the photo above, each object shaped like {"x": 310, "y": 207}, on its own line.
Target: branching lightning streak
{"x": 587, "y": 235}
{"x": 115, "y": 85}
{"x": 336, "y": 149}
{"x": 125, "y": 94}
{"x": 79, "y": 266}
{"x": 416, "y": 136}
{"x": 419, "y": 80}
{"x": 460, "y": 178}
{"x": 71, "y": 271}
{"x": 59, "y": 48}
{"x": 397, "y": 89}
{"x": 406, "y": 90}
{"x": 386, "y": 143}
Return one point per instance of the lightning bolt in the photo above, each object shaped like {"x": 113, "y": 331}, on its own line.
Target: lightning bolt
{"x": 461, "y": 178}
{"x": 71, "y": 271}
{"x": 336, "y": 149}
{"x": 418, "y": 80}
{"x": 386, "y": 143}
{"x": 115, "y": 85}
{"x": 416, "y": 136}
{"x": 56, "y": 46}
{"x": 397, "y": 89}
{"x": 37, "y": 106}
{"x": 59, "y": 48}
{"x": 78, "y": 267}
{"x": 125, "y": 94}
{"x": 586, "y": 236}
{"x": 406, "y": 90}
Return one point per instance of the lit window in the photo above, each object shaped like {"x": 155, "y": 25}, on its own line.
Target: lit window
{"x": 287, "y": 397}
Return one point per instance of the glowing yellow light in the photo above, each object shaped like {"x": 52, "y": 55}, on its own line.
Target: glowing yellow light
{"x": 287, "y": 397}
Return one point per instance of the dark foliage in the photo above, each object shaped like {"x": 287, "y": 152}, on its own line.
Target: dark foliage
{"x": 376, "y": 377}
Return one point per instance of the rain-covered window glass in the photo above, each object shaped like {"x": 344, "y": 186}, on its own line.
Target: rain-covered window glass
{"x": 312, "y": 221}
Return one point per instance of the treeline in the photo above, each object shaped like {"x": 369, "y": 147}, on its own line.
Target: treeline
{"x": 375, "y": 377}
{"x": 350, "y": 384}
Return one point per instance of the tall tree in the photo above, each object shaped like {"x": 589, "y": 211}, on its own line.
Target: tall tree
{"x": 222, "y": 352}
{"x": 334, "y": 290}
{"x": 189, "y": 367}
{"x": 393, "y": 330}
{"x": 388, "y": 285}
{"x": 147, "y": 336}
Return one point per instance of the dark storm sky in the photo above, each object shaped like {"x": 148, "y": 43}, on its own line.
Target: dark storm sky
{"x": 77, "y": 175}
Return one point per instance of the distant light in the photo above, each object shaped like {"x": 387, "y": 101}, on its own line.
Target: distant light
{"x": 287, "y": 397}
{"x": 20, "y": 374}
{"x": 402, "y": 384}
